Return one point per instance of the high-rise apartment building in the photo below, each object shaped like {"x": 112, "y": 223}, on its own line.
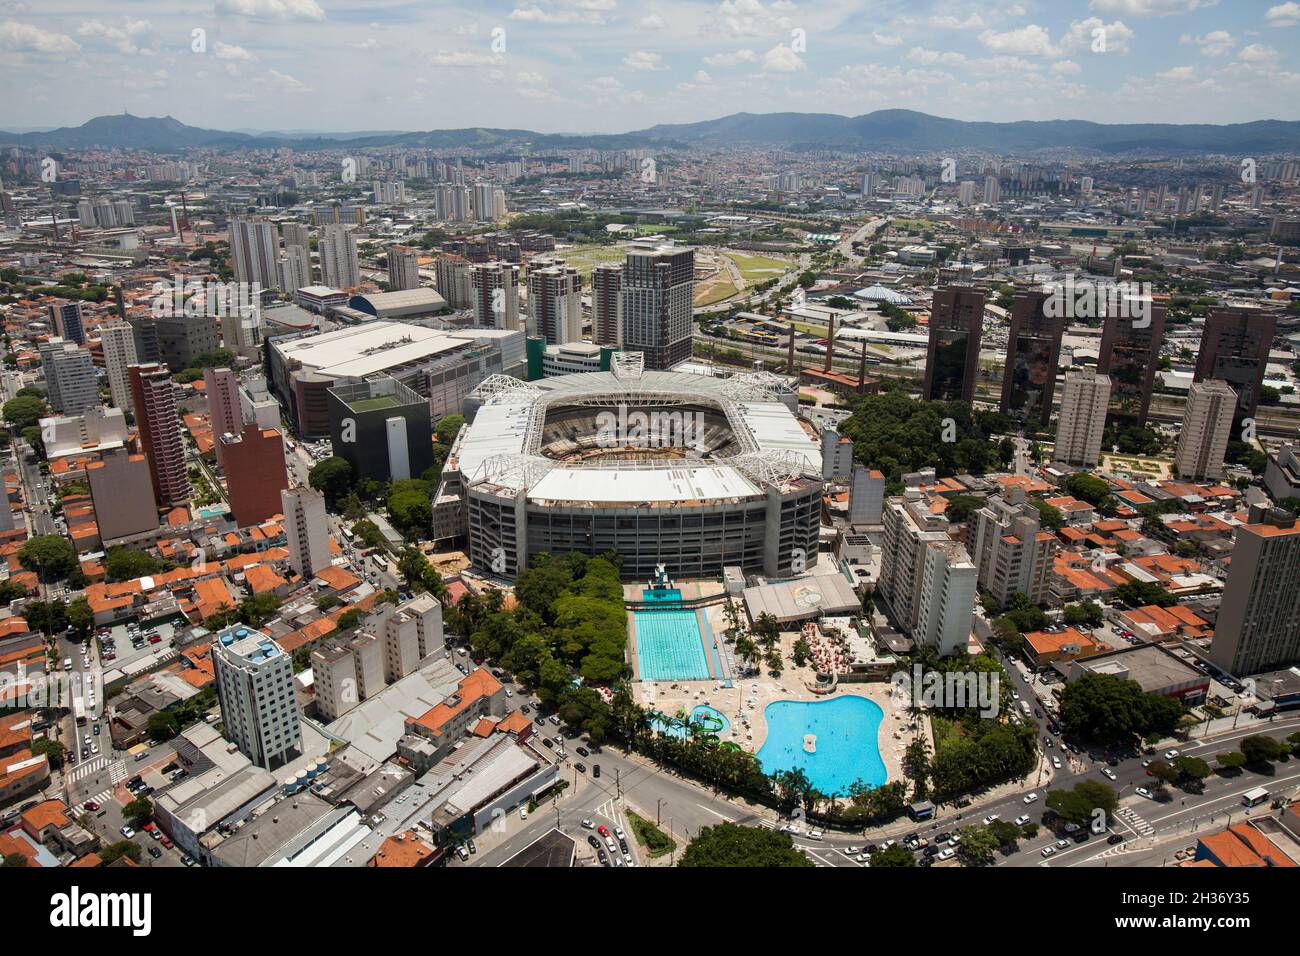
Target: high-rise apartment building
{"x": 65, "y": 319}
{"x": 454, "y": 283}
{"x": 296, "y": 234}
{"x": 907, "y": 567}
{"x": 1207, "y": 427}
{"x": 259, "y": 708}
{"x": 1234, "y": 348}
{"x": 160, "y": 433}
{"x": 1033, "y": 354}
{"x": 1258, "y": 627}
{"x": 254, "y": 251}
{"x": 294, "y": 268}
{"x": 607, "y": 304}
{"x": 992, "y": 191}
{"x": 1010, "y": 549}
{"x": 658, "y": 294}
{"x": 118, "y": 342}
{"x": 253, "y": 459}
{"x": 495, "y": 288}
{"x": 306, "y": 531}
{"x": 71, "y": 380}
{"x": 952, "y": 358}
{"x": 340, "y": 268}
{"x": 1082, "y": 420}
{"x": 221, "y": 387}
{"x": 182, "y": 339}
{"x": 122, "y": 493}
{"x": 1130, "y": 355}
{"x": 403, "y": 269}
{"x": 945, "y": 609}
{"x": 555, "y": 302}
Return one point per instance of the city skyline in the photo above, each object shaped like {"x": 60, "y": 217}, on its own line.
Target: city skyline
{"x": 602, "y": 66}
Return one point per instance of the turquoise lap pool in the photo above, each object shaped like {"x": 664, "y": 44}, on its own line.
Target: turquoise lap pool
{"x": 846, "y": 732}
{"x": 669, "y": 645}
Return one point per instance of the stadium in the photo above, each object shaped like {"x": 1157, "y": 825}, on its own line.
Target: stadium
{"x": 693, "y": 472}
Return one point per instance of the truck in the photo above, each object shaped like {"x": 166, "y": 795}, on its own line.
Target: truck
{"x": 1253, "y": 798}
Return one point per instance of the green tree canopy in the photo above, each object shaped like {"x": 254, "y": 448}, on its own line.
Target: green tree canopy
{"x": 332, "y": 477}
{"x": 731, "y": 845}
{"x": 51, "y": 556}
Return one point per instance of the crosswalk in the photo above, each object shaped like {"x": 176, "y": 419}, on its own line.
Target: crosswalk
{"x": 1135, "y": 820}
{"x": 87, "y": 768}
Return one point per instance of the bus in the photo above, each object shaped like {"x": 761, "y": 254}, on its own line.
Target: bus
{"x": 1253, "y": 798}
{"x": 921, "y": 811}
{"x": 1024, "y": 706}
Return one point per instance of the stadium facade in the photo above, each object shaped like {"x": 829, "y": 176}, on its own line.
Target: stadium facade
{"x": 663, "y": 467}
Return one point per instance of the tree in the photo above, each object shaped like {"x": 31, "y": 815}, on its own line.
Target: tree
{"x": 1087, "y": 614}
{"x": 1192, "y": 770}
{"x": 978, "y": 844}
{"x": 349, "y": 618}
{"x": 731, "y": 845}
{"x": 24, "y": 411}
{"x": 1089, "y": 488}
{"x": 127, "y": 564}
{"x": 1261, "y": 749}
{"x": 14, "y": 860}
{"x": 162, "y": 726}
{"x": 1079, "y": 805}
{"x": 961, "y": 507}
{"x": 80, "y": 616}
{"x": 51, "y": 556}
{"x": 896, "y": 855}
{"x": 448, "y": 428}
{"x": 51, "y": 748}
{"x": 1163, "y": 772}
{"x": 115, "y": 851}
{"x": 411, "y": 511}
{"x": 1007, "y": 834}
{"x": 46, "y": 616}
{"x": 1112, "y": 710}
{"x": 1144, "y": 593}
{"x": 1231, "y": 761}
{"x": 138, "y": 810}
{"x": 332, "y": 477}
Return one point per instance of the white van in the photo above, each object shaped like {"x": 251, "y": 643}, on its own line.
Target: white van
{"x": 67, "y": 663}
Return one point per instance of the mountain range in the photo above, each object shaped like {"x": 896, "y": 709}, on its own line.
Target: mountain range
{"x": 883, "y": 130}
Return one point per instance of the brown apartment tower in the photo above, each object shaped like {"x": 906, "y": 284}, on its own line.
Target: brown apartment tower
{"x": 255, "y": 473}
{"x": 160, "y": 432}
{"x": 1129, "y": 355}
{"x": 952, "y": 360}
{"x": 1234, "y": 349}
{"x": 1033, "y": 354}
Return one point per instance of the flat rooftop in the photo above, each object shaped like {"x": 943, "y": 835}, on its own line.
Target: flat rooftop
{"x": 361, "y": 350}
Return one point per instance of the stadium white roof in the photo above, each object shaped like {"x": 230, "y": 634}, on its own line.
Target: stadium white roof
{"x": 496, "y": 446}
{"x": 361, "y": 350}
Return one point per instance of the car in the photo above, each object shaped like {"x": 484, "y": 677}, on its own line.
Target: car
{"x": 851, "y": 851}
{"x": 941, "y": 838}
{"x": 548, "y": 743}
{"x": 1083, "y": 836}
{"x": 97, "y": 730}
{"x": 600, "y": 855}
{"x": 85, "y": 753}
{"x": 595, "y": 770}
{"x": 189, "y": 860}
{"x": 94, "y": 749}
{"x": 155, "y": 834}
{"x": 90, "y": 805}
{"x": 588, "y": 825}
{"x": 1115, "y": 839}
{"x": 1171, "y": 754}
{"x": 1108, "y": 773}
{"x": 525, "y": 708}
{"x": 947, "y": 853}
{"x": 930, "y": 851}
{"x": 583, "y": 751}
{"x": 1030, "y": 797}
{"x": 990, "y": 818}
{"x": 1048, "y": 850}
{"x": 86, "y": 740}
{"x": 166, "y": 841}
{"x": 472, "y": 847}
{"x": 463, "y": 854}
{"x": 609, "y": 845}
{"x": 155, "y": 852}
{"x": 1056, "y": 762}
{"x": 603, "y": 830}
{"x": 580, "y": 767}
{"x": 1062, "y": 844}
{"x": 1022, "y": 820}
{"x": 126, "y": 831}
{"x": 1144, "y": 792}
{"x": 1146, "y": 763}
{"x": 1072, "y": 827}
{"x": 595, "y": 844}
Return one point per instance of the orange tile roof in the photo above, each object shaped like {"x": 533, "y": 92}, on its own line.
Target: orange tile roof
{"x": 262, "y": 578}
{"x": 1243, "y": 845}
{"x": 472, "y": 688}
{"x": 49, "y": 813}
{"x": 405, "y": 850}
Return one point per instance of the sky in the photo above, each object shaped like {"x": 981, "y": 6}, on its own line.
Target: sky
{"x": 583, "y": 66}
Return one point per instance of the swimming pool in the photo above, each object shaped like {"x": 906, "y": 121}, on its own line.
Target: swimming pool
{"x": 665, "y": 596}
{"x": 669, "y": 646}
{"x": 848, "y": 748}
{"x": 708, "y": 720}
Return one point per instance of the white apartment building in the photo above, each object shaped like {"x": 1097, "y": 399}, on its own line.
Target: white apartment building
{"x": 1207, "y": 427}
{"x": 555, "y": 302}
{"x": 339, "y": 265}
{"x": 305, "y": 528}
{"x": 259, "y": 709}
{"x": 255, "y": 250}
{"x": 1010, "y": 550}
{"x": 118, "y": 340}
{"x": 947, "y": 597}
{"x": 1084, "y": 401}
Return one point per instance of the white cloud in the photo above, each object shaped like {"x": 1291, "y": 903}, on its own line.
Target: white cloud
{"x": 227, "y": 51}
{"x": 782, "y": 59}
{"x": 1258, "y": 53}
{"x": 1284, "y": 14}
{"x": 886, "y": 39}
{"x": 1215, "y": 43}
{"x": 1083, "y": 34}
{"x": 18, "y": 37}
{"x": 731, "y": 59}
{"x": 950, "y": 22}
{"x": 702, "y": 77}
{"x": 134, "y": 37}
{"x": 462, "y": 58}
{"x": 271, "y": 9}
{"x": 1029, "y": 40}
{"x": 652, "y": 22}
{"x": 287, "y": 83}
{"x": 564, "y": 11}
{"x": 644, "y": 62}
{"x": 1065, "y": 68}
{"x": 1149, "y": 8}
{"x": 749, "y": 18}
